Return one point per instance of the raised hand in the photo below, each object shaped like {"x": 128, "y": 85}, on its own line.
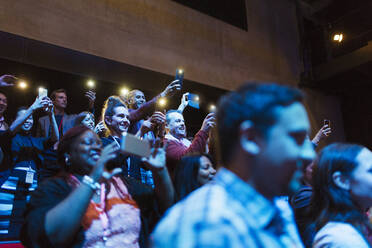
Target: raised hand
{"x": 209, "y": 122}
{"x": 184, "y": 102}
{"x": 146, "y": 126}
{"x": 41, "y": 103}
{"x": 7, "y": 80}
{"x": 185, "y": 99}
{"x": 91, "y": 95}
{"x": 157, "y": 160}
{"x": 108, "y": 153}
{"x": 323, "y": 133}
{"x": 100, "y": 127}
{"x": 172, "y": 88}
{"x": 158, "y": 118}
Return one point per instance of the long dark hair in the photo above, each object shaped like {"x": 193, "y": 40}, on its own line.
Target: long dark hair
{"x": 81, "y": 117}
{"x": 186, "y": 179}
{"x": 330, "y": 202}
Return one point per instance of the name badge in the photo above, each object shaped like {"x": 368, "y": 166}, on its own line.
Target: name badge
{"x": 30, "y": 177}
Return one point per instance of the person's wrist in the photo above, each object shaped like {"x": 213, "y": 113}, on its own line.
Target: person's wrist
{"x": 91, "y": 183}
{"x": 163, "y": 94}
{"x": 158, "y": 170}
{"x": 33, "y": 107}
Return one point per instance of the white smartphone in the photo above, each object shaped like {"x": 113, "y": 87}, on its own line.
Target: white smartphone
{"x": 135, "y": 146}
{"x": 43, "y": 92}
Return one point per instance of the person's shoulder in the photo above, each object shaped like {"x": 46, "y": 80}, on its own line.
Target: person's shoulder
{"x": 204, "y": 204}
{"x": 339, "y": 234}
{"x": 207, "y": 218}
{"x": 54, "y": 182}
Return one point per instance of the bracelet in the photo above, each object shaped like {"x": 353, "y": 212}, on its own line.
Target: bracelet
{"x": 91, "y": 183}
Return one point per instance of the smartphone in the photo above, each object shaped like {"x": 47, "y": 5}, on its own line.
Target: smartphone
{"x": 43, "y": 92}
{"x": 135, "y": 146}
{"x": 179, "y": 76}
{"x": 91, "y": 84}
{"x": 193, "y": 100}
{"x": 327, "y": 122}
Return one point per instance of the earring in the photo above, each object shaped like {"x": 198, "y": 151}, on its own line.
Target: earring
{"x": 67, "y": 161}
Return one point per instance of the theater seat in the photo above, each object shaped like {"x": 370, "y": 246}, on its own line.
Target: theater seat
{"x": 11, "y": 244}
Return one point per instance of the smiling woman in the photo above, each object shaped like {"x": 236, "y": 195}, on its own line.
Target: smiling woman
{"x": 27, "y": 161}
{"x": 82, "y": 208}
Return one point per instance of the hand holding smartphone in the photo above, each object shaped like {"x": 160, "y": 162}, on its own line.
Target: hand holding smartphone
{"x": 193, "y": 100}
{"x": 43, "y": 93}
{"x": 179, "y": 76}
{"x": 135, "y": 146}
{"x": 327, "y": 122}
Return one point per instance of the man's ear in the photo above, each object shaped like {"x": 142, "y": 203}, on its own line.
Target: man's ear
{"x": 341, "y": 181}
{"x": 248, "y": 137}
{"x": 108, "y": 120}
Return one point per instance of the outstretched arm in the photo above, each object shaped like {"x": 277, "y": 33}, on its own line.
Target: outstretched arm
{"x": 39, "y": 103}
{"x": 52, "y": 119}
{"x": 149, "y": 107}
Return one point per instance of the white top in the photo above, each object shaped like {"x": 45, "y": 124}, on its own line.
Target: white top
{"x": 339, "y": 235}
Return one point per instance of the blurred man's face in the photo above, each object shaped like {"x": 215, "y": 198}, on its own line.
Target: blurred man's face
{"x": 138, "y": 99}
{"x": 60, "y": 101}
{"x": 176, "y": 125}
{"x": 3, "y": 103}
{"x": 283, "y": 150}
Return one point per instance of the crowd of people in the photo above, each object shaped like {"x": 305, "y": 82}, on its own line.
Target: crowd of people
{"x": 250, "y": 177}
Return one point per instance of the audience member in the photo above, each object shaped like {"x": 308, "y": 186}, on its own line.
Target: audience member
{"x": 116, "y": 118}
{"x": 5, "y": 133}
{"x": 300, "y": 201}
{"x": 84, "y": 209}
{"x": 85, "y": 118}
{"x": 64, "y": 121}
{"x": 262, "y": 135}
{"x": 192, "y": 172}
{"x": 177, "y": 143}
{"x": 139, "y": 109}
{"x": 27, "y": 160}
{"x": 342, "y": 185}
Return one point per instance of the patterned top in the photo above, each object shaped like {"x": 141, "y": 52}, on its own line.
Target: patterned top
{"x": 228, "y": 213}
{"x": 115, "y": 221}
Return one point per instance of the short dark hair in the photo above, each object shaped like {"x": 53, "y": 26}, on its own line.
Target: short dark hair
{"x": 167, "y": 119}
{"x": 108, "y": 107}
{"x": 254, "y": 101}
{"x": 54, "y": 93}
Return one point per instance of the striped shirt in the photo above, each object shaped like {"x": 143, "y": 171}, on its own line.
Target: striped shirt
{"x": 227, "y": 213}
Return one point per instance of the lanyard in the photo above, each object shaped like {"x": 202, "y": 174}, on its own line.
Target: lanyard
{"x": 60, "y": 125}
{"x": 114, "y": 138}
{"x": 102, "y": 214}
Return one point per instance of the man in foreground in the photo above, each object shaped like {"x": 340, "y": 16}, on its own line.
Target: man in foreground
{"x": 262, "y": 132}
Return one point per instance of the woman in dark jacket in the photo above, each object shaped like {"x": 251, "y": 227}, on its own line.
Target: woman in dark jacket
{"x": 87, "y": 206}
